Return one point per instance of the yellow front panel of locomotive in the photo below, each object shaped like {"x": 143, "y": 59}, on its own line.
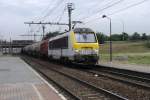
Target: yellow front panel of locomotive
{"x": 80, "y": 46}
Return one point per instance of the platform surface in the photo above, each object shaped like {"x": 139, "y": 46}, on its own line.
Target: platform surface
{"x": 18, "y": 81}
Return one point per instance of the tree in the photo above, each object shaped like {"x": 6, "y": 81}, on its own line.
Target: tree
{"x": 148, "y": 37}
{"x": 124, "y": 36}
{"x": 144, "y": 36}
{"x": 101, "y": 37}
{"x": 116, "y": 37}
{"x": 136, "y": 36}
{"x": 51, "y": 34}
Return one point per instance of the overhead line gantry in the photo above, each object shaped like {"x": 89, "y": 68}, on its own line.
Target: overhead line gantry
{"x": 45, "y": 23}
{"x": 70, "y": 22}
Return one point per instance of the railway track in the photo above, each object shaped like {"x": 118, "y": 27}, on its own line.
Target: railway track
{"x": 137, "y": 79}
{"x": 120, "y": 88}
{"x": 123, "y": 72}
{"x": 131, "y": 77}
{"x": 79, "y": 89}
{"x": 122, "y": 78}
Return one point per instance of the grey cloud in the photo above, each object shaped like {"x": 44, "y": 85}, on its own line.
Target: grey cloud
{"x": 15, "y": 12}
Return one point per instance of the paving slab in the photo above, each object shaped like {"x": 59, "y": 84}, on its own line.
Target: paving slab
{"x": 18, "y": 81}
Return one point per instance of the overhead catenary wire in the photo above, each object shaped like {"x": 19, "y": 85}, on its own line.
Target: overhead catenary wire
{"x": 54, "y": 8}
{"x": 58, "y": 13}
{"x": 50, "y": 11}
{"x": 110, "y": 4}
{"x": 42, "y": 18}
{"x": 64, "y": 10}
{"x": 128, "y": 7}
{"x": 45, "y": 11}
{"x": 120, "y": 10}
{"x": 79, "y": 13}
{"x": 60, "y": 17}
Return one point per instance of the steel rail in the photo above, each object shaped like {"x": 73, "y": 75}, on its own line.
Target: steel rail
{"x": 51, "y": 80}
{"x": 111, "y": 94}
{"x": 129, "y": 76}
{"x": 131, "y": 82}
{"x": 126, "y": 72}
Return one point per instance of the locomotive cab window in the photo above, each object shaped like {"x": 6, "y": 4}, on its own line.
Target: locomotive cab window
{"x": 85, "y": 37}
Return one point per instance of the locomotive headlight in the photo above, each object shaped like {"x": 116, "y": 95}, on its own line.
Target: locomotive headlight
{"x": 77, "y": 51}
{"x": 96, "y": 51}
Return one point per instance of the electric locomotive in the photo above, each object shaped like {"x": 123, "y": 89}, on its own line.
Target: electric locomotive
{"x": 79, "y": 45}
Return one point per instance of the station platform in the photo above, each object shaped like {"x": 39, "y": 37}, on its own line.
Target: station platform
{"x": 18, "y": 81}
{"x": 132, "y": 67}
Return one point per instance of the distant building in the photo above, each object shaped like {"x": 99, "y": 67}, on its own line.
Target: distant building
{"x": 15, "y": 46}
{"x": 22, "y": 42}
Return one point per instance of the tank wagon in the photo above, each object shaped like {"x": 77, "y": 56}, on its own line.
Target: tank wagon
{"x": 32, "y": 49}
{"x": 79, "y": 45}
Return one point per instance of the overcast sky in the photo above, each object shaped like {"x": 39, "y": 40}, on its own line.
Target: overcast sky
{"x": 15, "y": 12}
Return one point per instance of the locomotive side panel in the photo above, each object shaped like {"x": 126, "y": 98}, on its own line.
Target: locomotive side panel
{"x": 58, "y": 47}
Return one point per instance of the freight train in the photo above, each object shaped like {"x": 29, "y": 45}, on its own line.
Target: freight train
{"x": 79, "y": 45}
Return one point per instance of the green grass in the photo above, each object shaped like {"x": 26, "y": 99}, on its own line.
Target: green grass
{"x": 125, "y": 47}
{"x": 127, "y": 52}
{"x": 139, "y": 59}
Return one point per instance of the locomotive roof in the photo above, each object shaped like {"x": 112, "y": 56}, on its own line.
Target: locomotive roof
{"x": 76, "y": 30}
{"x": 83, "y": 30}
{"x": 58, "y": 36}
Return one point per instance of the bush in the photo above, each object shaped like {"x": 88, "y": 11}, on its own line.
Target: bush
{"x": 147, "y": 44}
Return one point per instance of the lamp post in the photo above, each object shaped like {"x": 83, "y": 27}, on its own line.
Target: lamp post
{"x": 123, "y": 29}
{"x": 110, "y": 48}
{"x": 123, "y": 26}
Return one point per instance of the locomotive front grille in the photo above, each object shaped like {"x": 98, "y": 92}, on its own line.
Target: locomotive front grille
{"x": 87, "y": 52}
